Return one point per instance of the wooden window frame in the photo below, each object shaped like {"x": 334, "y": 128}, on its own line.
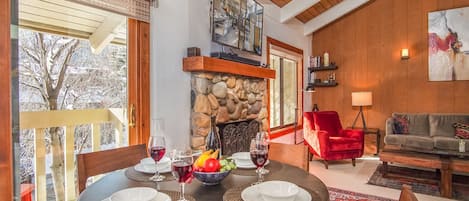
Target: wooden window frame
{"x": 6, "y": 155}
{"x": 274, "y": 133}
{"x": 139, "y": 91}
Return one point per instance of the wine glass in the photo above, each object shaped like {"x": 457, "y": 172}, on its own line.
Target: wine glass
{"x": 264, "y": 136}
{"x": 181, "y": 168}
{"x": 156, "y": 149}
{"x": 259, "y": 152}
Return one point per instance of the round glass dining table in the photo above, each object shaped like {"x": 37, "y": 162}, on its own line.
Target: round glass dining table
{"x": 117, "y": 180}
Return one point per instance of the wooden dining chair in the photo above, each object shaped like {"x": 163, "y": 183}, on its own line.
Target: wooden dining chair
{"x": 407, "y": 194}
{"x": 95, "y": 163}
{"x": 292, "y": 154}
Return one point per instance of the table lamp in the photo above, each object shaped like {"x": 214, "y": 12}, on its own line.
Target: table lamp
{"x": 361, "y": 99}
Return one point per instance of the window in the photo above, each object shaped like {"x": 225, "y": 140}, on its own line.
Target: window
{"x": 283, "y": 90}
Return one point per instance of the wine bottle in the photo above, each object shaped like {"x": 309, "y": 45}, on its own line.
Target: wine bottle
{"x": 315, "y": 108}
{"x": 213, "y": 138}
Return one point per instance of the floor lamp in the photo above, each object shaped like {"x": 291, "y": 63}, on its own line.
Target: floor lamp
{"x": 361, "y": 99}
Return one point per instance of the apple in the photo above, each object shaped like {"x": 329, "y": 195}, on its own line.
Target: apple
{"x": 211, "y": 165}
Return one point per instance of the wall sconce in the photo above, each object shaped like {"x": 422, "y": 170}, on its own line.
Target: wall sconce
{"x": 404, "y": 54}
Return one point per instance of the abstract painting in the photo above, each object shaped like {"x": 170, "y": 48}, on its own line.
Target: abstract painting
{"x": 448, "y": 45}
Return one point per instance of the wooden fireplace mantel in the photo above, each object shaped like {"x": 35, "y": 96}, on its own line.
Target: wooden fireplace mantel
{"x": 202, "y": 63}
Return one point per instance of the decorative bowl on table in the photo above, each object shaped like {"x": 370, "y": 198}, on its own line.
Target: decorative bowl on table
{"x": 278, "y": 190}
{"x": 211, "y": 178}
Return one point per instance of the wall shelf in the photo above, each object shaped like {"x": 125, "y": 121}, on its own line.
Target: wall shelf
{"x": 322, "y": 68}
{"x": 320, "y": 84}
{"x": 210, "y": 64}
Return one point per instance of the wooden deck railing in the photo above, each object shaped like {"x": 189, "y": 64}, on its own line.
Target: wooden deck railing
{"x": 68, "y": 119}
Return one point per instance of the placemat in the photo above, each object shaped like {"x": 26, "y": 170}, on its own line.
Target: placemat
{"x": 234, "y": 194}
{"x": 175, "y": 195}
{"x": 272, "y": 166}
{"x": 133, "y": 174}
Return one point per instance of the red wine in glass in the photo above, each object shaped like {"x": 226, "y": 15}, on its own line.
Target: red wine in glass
{"x": 182, "y": 171}
{"x": 156, "y": 149}
{"x": 259, "y": 157}
{"x": 157, "y": 152}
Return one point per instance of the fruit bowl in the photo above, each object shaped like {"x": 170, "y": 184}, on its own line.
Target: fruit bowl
{"x": 211, "y": 178}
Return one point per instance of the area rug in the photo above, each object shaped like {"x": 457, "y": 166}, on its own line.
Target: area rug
{"x": 336, "y": 194}
{"x": 424, "y": 182}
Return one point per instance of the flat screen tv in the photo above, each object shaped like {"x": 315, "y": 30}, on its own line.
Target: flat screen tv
{"x": 238, "y": 24}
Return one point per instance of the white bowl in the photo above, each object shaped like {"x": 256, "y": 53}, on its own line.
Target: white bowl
{"x": 242, "y": 158}
{"x": 278, "y": 191}
{"x": 135, "y": 194}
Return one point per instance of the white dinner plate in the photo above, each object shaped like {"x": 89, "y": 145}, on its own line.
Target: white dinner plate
{"x": 251, "y": 193}
{"x": 151, "y": 169}
{"x": 159, "y": 197}
{"x": 249, "y": 166}
{"x": 149, "y": 160}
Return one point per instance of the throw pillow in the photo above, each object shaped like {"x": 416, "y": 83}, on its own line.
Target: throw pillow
{"x": 401, "y": 125}
{"x": 461, "y": 130}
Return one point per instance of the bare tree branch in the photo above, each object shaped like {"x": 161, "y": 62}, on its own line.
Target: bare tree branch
{"x": 66, "y": 64}
{"x": 28, "y": 52}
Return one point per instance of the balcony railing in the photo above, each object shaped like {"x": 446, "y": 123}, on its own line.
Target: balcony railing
{"x": 67, "y": 119}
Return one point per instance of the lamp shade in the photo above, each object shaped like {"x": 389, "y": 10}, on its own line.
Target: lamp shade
{"x": 361, "y": 98}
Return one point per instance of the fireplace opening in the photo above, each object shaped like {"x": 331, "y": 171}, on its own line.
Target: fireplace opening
{"x": 236, "y": 136}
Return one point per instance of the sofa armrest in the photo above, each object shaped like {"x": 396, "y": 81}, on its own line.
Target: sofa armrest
{"x": 389, "y": 125}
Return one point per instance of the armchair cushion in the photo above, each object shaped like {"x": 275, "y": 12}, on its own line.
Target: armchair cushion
{"x": 350, "y": 133}
{"x": 344, "y": 144}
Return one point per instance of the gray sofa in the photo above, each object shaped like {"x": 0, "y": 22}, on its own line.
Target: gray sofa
{"x": 427, "y": 132}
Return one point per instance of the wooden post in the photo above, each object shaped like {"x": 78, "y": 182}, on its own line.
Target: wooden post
{"x": 40, "y": 164}
{"x": 95, "y": 137}
{"x": 118, "y": 132}
{"x": 446, "y": 183}
{"x": 70, "y": 188}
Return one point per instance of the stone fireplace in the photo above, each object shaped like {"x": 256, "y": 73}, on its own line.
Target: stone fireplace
{"x": 238, "y": 102}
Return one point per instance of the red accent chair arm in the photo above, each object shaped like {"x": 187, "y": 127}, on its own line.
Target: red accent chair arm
{"x": 318, "y": 140}
{"x": 357, "y": 134}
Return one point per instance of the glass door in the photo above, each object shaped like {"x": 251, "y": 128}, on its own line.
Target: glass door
{"x": 73, "y": 91}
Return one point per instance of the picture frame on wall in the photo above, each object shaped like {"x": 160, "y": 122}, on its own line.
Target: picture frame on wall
{"x": 448, "y": 45}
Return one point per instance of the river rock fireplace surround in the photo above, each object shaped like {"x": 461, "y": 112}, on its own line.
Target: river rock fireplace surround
{"x": 235, "y": 93}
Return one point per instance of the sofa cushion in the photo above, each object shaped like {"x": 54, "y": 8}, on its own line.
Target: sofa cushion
{"x": 442, "y": 124}
{"x": 410, "y": 141}
{"x": 419, "y": 142}
{"x": 418, "y": 123}
{"x": 448, "y": 143}
{"x": 462, "y": 130}
{"x": 394, "y": 139}
{"x": 344, "y": 144}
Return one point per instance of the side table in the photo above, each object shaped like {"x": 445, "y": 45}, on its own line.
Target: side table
{"x": 373, "y": 131}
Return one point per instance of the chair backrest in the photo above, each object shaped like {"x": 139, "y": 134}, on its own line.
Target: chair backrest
{"x": 292, "y": 154}
{"x": 327, "y": 121}
{"x": 95, "y": 163}
{"x": 407, "y": 194}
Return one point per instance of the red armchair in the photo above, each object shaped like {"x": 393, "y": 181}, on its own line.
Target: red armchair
{"x": 326, "y": 139}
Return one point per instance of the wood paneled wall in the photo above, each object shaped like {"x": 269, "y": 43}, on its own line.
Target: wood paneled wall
{"x": 366, "y": 46}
